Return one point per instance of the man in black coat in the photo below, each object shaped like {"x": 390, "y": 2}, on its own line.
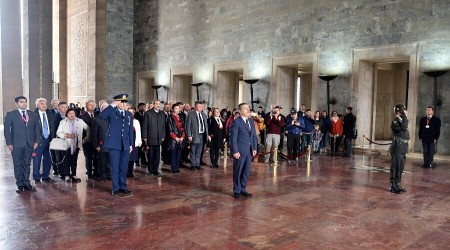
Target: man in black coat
{"x": 46, "y": 124}
{"x": 153, "y": 132}
{"x": 21, "y": 132}
{"x": 99, "y": 131}
{"x": 90, "y": 154}
{"x": 349, "y": 130}
{"x": 429, "y": 131}
{"x": 139, "y": 115}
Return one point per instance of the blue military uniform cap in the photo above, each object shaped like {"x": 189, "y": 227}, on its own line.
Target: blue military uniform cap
{"x": 121, "y": 97}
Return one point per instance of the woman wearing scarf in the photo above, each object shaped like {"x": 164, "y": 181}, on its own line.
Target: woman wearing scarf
{"x": 217, "y": 132}
{"x": 71, "y": 129}
{"x": 175, "y": 124}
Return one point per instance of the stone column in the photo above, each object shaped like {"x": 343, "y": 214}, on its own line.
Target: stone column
{"x": 10, "y": 55}
{"x": 37, "y": 50}
{"x": 60, "y": 48}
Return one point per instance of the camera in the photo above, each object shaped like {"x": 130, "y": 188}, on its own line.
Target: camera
{"x": 274, "y": 112}
{"x": 399, "y": 108}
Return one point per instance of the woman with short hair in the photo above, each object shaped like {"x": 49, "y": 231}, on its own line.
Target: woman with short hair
{"x": 71, "y": 128}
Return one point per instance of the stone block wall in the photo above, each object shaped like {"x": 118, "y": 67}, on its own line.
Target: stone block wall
{"x": 119, "y": 48}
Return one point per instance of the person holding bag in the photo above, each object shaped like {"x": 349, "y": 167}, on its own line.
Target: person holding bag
{"x": 71, "y": 129}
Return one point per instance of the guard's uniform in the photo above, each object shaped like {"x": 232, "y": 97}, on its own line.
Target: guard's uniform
{"x": 118, "y": 140}
{"x": 398, "y": 149}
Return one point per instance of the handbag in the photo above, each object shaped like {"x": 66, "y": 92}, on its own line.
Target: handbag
{"x": 355, "y": 133}
{"x": 59, "y": 144}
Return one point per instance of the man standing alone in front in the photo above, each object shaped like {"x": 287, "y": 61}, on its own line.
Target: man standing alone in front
{"x": 244, "y": 146}
{"x": 429, "y": 131}
{"x": 153, "y": 132}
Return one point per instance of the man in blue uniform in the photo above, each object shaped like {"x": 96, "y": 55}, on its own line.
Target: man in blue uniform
{"x": 119, "y": 141}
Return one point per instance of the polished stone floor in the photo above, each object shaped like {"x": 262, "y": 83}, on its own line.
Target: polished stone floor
{"x": 337, "y": 203}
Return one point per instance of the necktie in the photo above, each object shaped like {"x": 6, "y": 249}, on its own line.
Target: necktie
{"x": 248, "y": 124}
{"x": 44, "y": 119}
{"x": 202, "y": 126}
{"x": 24, "y": 116}
{"x": 92, "y": 116}
{"x": 121, "y": 112}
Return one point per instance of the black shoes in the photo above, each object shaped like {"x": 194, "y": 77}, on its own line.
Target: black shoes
{"x": 48, "y": 180}
{"x": 196, "y": 167}
{"x": 426, "y": 166}
{"x": 157, "y": 174}
{"x": 19, "y": 190}
{"x": 30, "y": 188}
{"x": 202, "y": 163}
{"x": 395, "y": 189}
{"x": 214, "y": 166}
{"x": 175, "y": 171}
{"x": 55, "y": 173}
{"x": 37, "y": 180}
{"x": 125, "y": 191}
{"x": 245, "y": 194}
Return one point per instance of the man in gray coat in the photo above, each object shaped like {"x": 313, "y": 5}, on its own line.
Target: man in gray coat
{"x": 22, "y": 134}
{"x": 153, "y": 133}
{"x": 197, "y": 133}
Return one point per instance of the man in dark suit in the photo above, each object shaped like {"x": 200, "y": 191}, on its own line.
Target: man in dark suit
{"x": 429, "y": 131}
{"x": 349, "y": 130}
{"x": 197, "y": 133}
{"x": 244, "y": 145}
{"x": 139, "y": 115}
{"x": 46, "y": 124}
{"x": 153, "y": 132}
{"x": 183, "y": 114}
{"x": 21, "y": 132}
{"x": 90, "y": 154}
{"x": 119, "y": 141}
{"x": 99, "y": 130}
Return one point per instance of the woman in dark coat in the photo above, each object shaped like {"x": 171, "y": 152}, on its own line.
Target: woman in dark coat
{"x": 176, "y": 125}
{"x": 216, "y": 128}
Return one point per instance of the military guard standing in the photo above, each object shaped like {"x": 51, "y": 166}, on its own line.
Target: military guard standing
{"x": 399, "y": 147}
{"x": 119, "y": 141}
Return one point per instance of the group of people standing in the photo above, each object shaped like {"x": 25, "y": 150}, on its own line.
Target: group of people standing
{"x": 115, "y": 137}
{"x": 304, "y": 129}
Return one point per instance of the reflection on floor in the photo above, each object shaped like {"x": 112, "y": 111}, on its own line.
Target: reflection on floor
{"x": 339, "y": 203}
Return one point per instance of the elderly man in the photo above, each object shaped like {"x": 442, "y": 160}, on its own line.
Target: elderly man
{"x": 197, "y": 133}
{"x": 46, "y": 124}
{"x": 153, "y": 132}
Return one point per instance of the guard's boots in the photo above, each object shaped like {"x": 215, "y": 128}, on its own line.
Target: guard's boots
{"x": 400, "y": 188}
{"x": 394, "y": 189}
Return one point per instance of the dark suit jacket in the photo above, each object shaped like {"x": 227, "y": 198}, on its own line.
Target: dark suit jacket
{"x": 242, "y": 138}
{"x": 140, "y": 117}
{"x": 428, "y": 135}
{"x": 154, "y": 127}
{"x": 19, "y": 134}
{"x": 349, "y": 125}
{"x": 217, "y": 134}
{"x": 88, "y": 120}
{"x": 120, "y": 133}
{"x": 99, "y": 131}
{"x": 51, "y": 123}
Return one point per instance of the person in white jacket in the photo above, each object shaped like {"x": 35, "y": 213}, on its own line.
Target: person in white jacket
{"x": 137, "y": 143}
{"x": 71, "y": 128}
